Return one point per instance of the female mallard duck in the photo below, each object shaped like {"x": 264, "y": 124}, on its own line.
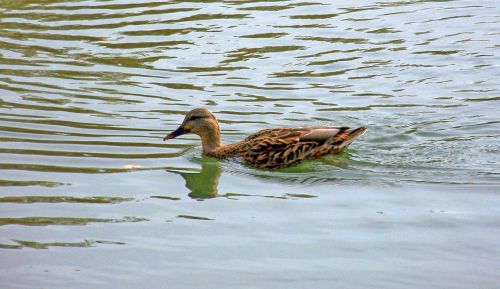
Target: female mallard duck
{"x": 268, "y": 148}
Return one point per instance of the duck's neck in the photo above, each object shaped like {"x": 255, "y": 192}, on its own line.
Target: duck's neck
{"x": 210, "y": 140}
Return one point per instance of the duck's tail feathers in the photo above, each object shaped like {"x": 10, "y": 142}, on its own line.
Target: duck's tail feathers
{"x": 345, "y": 138}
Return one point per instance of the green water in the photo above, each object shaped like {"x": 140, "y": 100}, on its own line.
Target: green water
{"x": 91, "y": 197}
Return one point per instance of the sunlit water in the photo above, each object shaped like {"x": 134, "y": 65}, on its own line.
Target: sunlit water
{"x": 90, "y": 196}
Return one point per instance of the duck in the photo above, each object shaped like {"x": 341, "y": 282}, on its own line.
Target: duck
{"x": 268, "y": 148}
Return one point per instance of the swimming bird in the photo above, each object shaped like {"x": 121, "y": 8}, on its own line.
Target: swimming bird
{"x": 268, "y": 148}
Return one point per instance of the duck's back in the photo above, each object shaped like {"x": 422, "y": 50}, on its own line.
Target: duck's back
{"x": 281, "y": 147}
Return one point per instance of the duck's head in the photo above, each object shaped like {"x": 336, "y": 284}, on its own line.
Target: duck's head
{"x": 200, "y": 121}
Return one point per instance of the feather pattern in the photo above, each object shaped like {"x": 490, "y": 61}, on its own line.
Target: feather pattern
{"x": 274, "y": 148}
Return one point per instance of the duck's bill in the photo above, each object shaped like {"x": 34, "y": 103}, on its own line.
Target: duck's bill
{"x": 175, "y": 133}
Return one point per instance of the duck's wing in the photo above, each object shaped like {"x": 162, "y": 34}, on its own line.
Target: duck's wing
{"x": 273, "y": 132}
{"x": 309, "y": 133}
{"x": 322, "y": 134}
{"x": 319, "y": 134}
{"x": 285, "y": 146}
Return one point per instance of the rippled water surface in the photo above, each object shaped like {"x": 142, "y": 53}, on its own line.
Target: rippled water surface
{"x": 90, "y": 196}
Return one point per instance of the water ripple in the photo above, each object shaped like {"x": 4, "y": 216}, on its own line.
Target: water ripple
{"x": 86, "y": 85}
{"x": 89, "y": 88}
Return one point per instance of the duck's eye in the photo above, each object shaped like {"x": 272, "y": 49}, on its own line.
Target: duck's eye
{"x": 195, "y": 117}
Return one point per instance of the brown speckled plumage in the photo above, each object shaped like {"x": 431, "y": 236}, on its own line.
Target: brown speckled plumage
{"x": 268, "y": 148}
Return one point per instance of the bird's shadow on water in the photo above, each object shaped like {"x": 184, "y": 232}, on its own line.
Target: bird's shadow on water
{"x": 205, "y": 183}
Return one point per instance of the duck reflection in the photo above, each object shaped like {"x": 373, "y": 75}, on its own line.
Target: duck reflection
{"x": 203, "y": 185}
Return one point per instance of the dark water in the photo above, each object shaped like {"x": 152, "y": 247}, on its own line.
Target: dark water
{"x": 90, "y": 197}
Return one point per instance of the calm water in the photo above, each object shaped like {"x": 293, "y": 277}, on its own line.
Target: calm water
{"x": 90, "y": 196}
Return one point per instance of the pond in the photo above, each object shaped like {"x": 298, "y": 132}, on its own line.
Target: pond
{"x": 91, "y": 197}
